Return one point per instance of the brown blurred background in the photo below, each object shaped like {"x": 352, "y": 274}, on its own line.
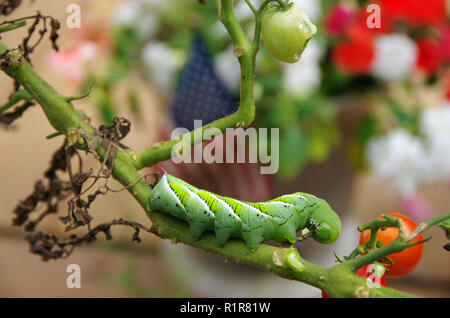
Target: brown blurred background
{"x": 122, "y": 268}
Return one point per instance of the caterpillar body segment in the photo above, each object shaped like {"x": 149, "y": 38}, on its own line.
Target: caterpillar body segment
{"x": 278, "y": 219}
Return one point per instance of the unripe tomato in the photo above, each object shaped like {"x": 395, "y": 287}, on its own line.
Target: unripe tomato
{"x": 365, "y": 272}
{"x": 286, "y": 32}
{"x": 406, "y": 260}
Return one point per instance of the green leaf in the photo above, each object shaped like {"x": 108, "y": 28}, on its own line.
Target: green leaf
{"x": 322, "y": 138}
{"x": 293, "y": 152}
{"x": 446, "y": 226}
{"x": 367, "y": 128}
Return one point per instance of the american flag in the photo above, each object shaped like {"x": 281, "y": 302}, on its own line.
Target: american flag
{"x": 200, "y": 95}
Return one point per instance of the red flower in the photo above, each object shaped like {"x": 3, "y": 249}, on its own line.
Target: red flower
{"x": 356, "y": 54}
{"x": 445, "y": 36}
{"x": 385, "y": 19}
{"x": 416, "y": 12}
{"x": 431, "y": 55}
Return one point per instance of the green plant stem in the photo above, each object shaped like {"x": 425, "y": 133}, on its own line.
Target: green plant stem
{"x": 15, "y": 98}
{"x": 13, "y": 26}
{"x": 336, "y": 282}
{"x": 377, "y": 254}
{"x": 251, "y": 6}
{"x": 54, "y": 105}
{"x": 422, "y": 227}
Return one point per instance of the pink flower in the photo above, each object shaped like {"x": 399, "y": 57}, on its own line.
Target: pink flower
{"x": 339, "y": 18}
{"x": 92, "y": 40}
{"x": 418, "y": 208}
{"x": 70, "y": 62}
{"x": 97, "y": 32}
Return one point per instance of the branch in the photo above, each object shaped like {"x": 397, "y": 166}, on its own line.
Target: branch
{"x": 258, "y": 17}
{"x": 15, "y": 98}
{"x": 284, "y": 262}
{"x": 422, "y": 227}
{"x": 12, "y": 26}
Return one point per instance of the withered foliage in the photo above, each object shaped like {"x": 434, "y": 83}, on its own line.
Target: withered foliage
{"x": 54, "y": 188}
{"x": 50, "y": 246}
{"x": 49, "y": 191}
{"x": 60, "y": 182}
{"x": 8, "y": 6}
{"x": 40, "y": 24}
{"x": 8, "y": 118}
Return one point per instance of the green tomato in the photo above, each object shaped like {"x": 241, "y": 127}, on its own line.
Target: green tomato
{"x": 286, "y": 32}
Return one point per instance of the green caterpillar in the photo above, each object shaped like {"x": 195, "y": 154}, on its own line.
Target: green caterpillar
{"x": 278, "y": 219}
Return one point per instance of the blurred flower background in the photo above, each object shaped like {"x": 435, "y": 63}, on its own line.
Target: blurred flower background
{"x": 364, "y": 121}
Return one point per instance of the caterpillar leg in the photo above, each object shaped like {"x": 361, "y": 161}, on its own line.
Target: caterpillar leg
{"x": 287, "y": 232}
{"x": 284, "y": 217}
{"x": 253, "y": 238}
{"x": 222, "y": 235}
{"x": 196, "y": 230}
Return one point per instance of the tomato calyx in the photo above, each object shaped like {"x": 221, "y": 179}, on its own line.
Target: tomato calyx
{"x": 400, "y": 263}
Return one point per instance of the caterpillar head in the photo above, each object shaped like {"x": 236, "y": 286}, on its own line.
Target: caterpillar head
{"x": 324, "y": 223}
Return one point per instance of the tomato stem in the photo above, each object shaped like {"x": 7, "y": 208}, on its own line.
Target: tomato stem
{"x": 422, "y": 227}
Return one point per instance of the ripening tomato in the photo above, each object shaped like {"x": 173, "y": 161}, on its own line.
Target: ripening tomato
{"x": 365, "y": 272}
{"x": 406, "y": 260}
{"x": 286, "y": 32}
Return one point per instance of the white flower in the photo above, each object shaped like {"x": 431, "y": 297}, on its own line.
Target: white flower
{"x": 228, "y": 70}
{"x": 242, "y": 10}
{"x": 407, "y": 161}
{"x": 435, "y": 127}
{"x": 435, "y": 122}
{"x": 312, "y": 7}
{"x": 140, "y": 14}
{"x": 305, "y": 75}
{"x": 161, "y": 62}
{"x": 395, "y": 57}
{"x": 399, "y": 158}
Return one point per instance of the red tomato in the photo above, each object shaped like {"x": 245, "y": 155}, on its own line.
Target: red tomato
{"x": 364, "y": 272}
{"x": 406, "y": 260}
